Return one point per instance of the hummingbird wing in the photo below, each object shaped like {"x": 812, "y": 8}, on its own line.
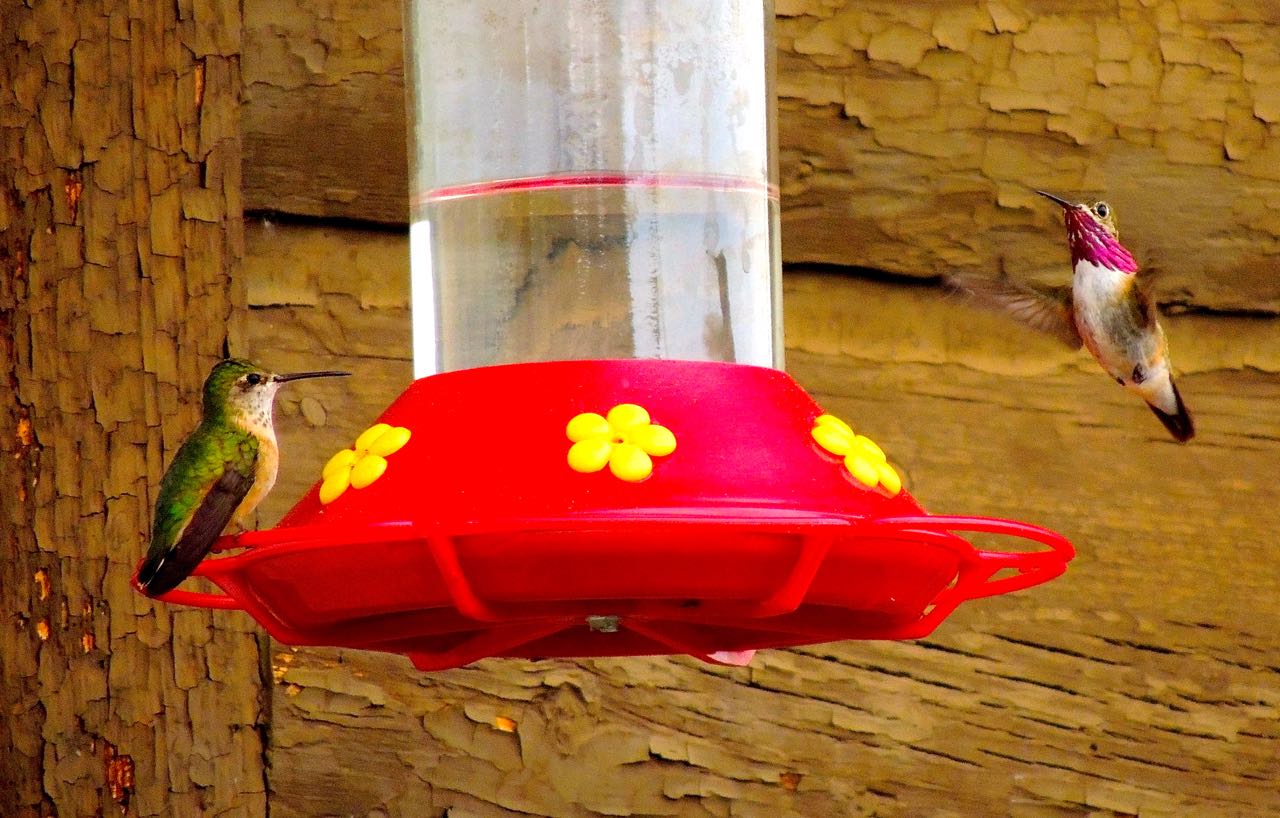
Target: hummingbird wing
{"x": 198, "y": 496}
{"x": 1047, "y": 310}
{"x": 1144, "y": 305}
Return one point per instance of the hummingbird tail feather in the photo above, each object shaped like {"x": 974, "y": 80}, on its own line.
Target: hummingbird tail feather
{"x": 147, "y": 573}
{"x": 165, "y": 569}
{"x": 1178, "y": 422}
{"x": 162, "y": 575}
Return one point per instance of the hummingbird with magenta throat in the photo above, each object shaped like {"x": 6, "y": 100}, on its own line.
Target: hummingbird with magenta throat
{"x": 220, "y": 474}
{"x": 1108, "y": 309}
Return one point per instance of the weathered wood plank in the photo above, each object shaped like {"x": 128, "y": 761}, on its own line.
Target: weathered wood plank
{"x": 1142, "y": 682}
{"x": 910, "y": 136}
{"x": 354, "y": 169}
{"x": 324, "y": 109}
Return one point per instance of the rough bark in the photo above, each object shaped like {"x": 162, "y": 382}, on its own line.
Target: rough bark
{"x": 120, "y": 215}
{"x": 1144, "y": 681}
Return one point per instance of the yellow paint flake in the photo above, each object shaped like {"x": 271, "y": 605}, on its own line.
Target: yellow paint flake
{"x": 25, "y": 435}
{"x": 199, "y": 85}
{"x": 74, "y": 189}
{"x": 281, "y": 666}
{"x": 120, "y": 780}
{"x": 504, "y": 724}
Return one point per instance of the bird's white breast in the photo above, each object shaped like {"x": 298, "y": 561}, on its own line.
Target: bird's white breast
{"x": 252, "y": 413}
{"x": 1096, "y": 293}
{"x": 1097, "y": 283}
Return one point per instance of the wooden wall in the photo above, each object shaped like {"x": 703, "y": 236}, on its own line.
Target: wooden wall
{"x": 911, "y": 134}
{"x": 1144, "y": 682}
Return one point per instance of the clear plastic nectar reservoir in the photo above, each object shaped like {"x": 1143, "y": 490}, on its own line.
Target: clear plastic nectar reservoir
{"x": 593, "y": 179}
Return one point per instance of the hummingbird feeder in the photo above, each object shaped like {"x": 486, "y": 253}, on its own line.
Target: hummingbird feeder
{"x": 601, "y": 454}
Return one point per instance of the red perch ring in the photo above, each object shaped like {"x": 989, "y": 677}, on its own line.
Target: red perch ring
{"x": 611, "y": 508}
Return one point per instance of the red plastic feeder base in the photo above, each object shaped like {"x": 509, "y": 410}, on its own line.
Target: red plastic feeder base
{"x": 704, "y": 516}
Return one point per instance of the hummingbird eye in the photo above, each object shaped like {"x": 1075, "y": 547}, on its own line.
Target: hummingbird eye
{"x": 253, "y": 379}
{"x": 1102, "y": 210}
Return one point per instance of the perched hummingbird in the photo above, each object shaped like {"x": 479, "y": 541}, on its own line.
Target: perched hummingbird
{"x": 220, "y": 474}
{"x": 1108, "y": 309}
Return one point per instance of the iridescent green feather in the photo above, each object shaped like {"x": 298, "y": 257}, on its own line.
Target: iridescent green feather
{"x": 212, "y": 449}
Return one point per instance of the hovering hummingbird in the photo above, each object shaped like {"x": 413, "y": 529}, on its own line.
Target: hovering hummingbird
{"x": 1108, "y": 309}
{"x": 221, "y": 472}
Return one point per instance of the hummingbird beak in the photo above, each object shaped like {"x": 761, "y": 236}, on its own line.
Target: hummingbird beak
{"x": 1057, "y": 199}
{"x": 297, "y": 376}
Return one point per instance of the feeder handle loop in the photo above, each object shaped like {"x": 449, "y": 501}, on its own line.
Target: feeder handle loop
{"x": 1061, "y": 549}
{"x": 977, "y": 566}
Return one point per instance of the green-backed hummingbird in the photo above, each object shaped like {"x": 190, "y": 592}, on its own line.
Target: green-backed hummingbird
{"x": 1108, "y": 308}
{"x": 220, "y": 474}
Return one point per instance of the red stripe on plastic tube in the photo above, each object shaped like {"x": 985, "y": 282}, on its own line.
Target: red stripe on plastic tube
{"x": 700, "y": 181}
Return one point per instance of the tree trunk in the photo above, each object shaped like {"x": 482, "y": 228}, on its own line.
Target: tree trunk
{"x": 120, "y": 223}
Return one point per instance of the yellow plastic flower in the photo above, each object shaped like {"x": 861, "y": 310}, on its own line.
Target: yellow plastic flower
{"x": 625, "y": 440}
{"x": 862, "y": 457}
{"x": 363, "y": 463}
